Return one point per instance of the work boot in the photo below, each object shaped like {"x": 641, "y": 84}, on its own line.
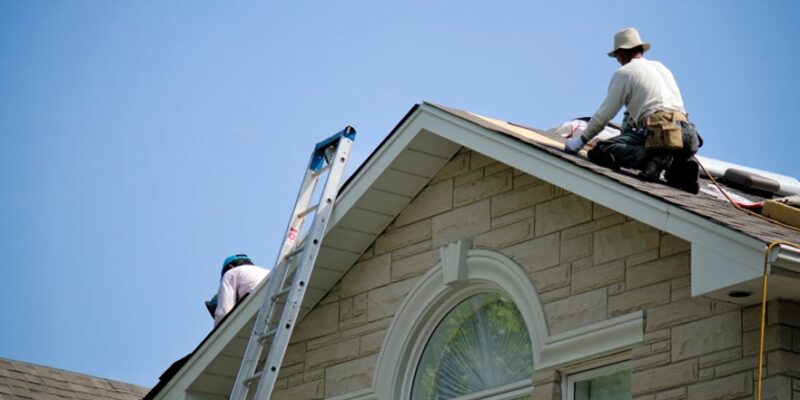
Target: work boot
{"x": 655, "y": 162}
{"x": 684, "y": 176}
{"x": 603, "y": 158}
{"x": 651, "y": 171}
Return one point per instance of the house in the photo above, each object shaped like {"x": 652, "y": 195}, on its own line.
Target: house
{"x": 467, "y": 260}
{"x": 20, "y": 380}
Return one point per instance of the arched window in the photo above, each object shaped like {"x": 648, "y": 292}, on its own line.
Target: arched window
{"x": 473, "y": 328}
{"x": 480, "y": 347}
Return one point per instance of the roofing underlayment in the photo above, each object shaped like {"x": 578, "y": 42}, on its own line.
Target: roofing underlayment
{"x": 21, "y": 380}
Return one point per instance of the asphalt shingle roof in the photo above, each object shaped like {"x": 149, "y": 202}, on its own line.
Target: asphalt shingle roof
{"x": 21, "y": 380}
{"x": 706, "y": 206}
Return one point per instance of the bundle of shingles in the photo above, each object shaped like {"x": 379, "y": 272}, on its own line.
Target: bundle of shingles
{"x": 786, "y": 210}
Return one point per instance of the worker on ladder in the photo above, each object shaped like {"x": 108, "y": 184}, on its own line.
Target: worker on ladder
{"x": 656, "y": 133}
{"x": 239, "y": 277}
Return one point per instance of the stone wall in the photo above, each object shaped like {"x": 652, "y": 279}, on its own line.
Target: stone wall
{"x": 588, "y": 263}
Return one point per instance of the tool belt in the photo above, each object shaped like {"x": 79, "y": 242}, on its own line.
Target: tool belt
{"x": 663, "y": 130}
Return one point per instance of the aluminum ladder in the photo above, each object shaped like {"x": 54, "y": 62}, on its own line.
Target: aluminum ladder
{"x": 289, "y": 278}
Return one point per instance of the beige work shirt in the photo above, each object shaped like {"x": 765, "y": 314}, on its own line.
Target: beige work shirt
{"x": 644, "y": 87}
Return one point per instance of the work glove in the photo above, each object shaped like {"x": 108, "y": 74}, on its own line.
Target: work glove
{"x": 574, "y": 144}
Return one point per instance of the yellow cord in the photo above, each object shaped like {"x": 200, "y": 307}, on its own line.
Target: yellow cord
{"x": 764, "y": 277}
{"x": 724, "y": 193}
{"x": 764, "y": 310}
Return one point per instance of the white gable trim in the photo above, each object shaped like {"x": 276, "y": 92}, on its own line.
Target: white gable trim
{"x": 742, "y": 253}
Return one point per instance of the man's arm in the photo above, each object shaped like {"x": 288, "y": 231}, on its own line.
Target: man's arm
{"x": 615, "y": 99}
{"x": 226, "y": 298}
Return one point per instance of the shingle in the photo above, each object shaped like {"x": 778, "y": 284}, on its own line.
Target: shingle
{"x": 5, "y": 389}
{"x": 712, "y": 209}
{"x": 20, "y": 380}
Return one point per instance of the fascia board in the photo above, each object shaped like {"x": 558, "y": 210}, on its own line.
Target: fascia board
{"x": 587, "y": 184}
{"x": 206, "y": 354}
{"x": 712, "y": 269}
{"x": 686, "y": 225}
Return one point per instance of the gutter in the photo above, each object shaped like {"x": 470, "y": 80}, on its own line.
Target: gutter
{"x": 784, "y": 260}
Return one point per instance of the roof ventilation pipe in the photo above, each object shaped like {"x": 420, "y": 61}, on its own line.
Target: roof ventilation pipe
{"x": 751, "y": 183}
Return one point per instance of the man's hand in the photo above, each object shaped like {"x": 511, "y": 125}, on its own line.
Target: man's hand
{"x": 574, "y": 144}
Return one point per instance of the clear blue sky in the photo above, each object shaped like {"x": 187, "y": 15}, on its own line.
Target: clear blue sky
{"x": 145, "y": 141}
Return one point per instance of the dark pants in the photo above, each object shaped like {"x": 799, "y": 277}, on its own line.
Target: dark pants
{"x": 628, "y": 151}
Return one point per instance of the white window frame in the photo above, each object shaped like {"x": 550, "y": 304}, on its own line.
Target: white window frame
{"x": 569, "y": 383}
{"x": 511, "y": 390}
{"x": 506, "y": 392}
{"x": 460, "y": 273}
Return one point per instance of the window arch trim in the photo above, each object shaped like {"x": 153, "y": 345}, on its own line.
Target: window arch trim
{"x": 431, "y": 299}
{"x": 478, "y": 271}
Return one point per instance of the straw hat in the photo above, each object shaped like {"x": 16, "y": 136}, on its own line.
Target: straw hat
{"x": 628, "y": 38}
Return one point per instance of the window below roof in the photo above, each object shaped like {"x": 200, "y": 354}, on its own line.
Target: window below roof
{"x": 481, "y": 349}
{"x": 607, "y": 383}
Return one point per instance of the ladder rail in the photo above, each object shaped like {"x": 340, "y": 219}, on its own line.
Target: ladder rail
{"x": 302, "y": 275}
{"x": 294, "y": 265}
{"x": 292, "y": 232}
{"x": 254, "y": 348}
{"x": 277, "y": 278}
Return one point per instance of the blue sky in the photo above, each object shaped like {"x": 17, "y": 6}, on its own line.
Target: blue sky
{"x": 143, "y": 142}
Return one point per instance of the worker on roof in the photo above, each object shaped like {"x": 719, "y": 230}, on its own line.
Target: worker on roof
{"x": 656, "y": 133}
{"x": 239, "y": 277}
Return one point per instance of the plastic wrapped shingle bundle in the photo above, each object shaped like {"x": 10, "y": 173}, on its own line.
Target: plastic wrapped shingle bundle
{"x": 577, "y": 126}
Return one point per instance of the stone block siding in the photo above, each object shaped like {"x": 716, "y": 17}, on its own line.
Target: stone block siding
{"x": 588, "y": 263}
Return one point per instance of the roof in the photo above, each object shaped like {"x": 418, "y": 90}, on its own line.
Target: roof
{"x": 727, "y": 245}
{"x": 21, "y": 380}
{"x": 704, "y": 205}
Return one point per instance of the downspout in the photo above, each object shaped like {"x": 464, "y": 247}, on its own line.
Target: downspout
{"x": 780, "y": 258}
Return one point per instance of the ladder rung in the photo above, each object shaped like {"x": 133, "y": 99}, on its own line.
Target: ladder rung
{"x": 253, "y": 377}
{"x": 295, "y": 252}
{"x": 267, "y": 335}
{"x": 281, "y": 293}
{"x": 307, "y": 211}
{"x": 322, "y": 170}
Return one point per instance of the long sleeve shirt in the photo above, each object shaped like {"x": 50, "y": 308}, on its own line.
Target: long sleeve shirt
{"x": 235, "y": 284}
{"x": 644, "y": 87}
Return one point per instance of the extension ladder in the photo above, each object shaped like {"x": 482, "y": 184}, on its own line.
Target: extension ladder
{"x": 289, "y": 278}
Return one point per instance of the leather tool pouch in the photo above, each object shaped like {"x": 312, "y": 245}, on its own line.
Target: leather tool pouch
{"x": 663, "y": 131}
